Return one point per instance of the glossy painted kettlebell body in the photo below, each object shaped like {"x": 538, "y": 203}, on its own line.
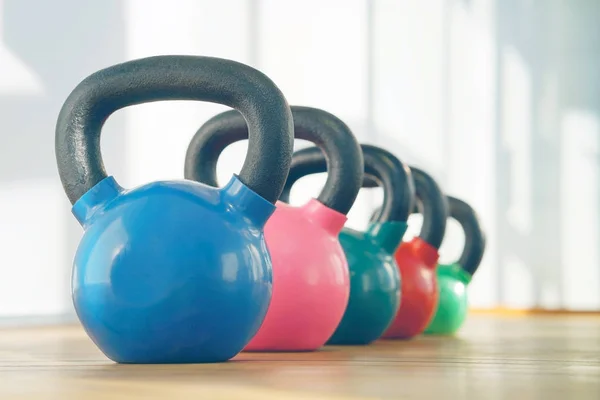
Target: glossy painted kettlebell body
{"x": 374, "y": 278}
{"x": 172, "y": 271}
{"x": 310, "y": 271}
{"x": 453, "y": 279}
{"x": 374, "y": 284}
{"x": 417, "y": 260}
{"x": 453, "y": 301}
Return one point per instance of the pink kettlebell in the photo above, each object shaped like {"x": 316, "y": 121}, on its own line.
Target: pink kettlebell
{"x": 310, "y": 272}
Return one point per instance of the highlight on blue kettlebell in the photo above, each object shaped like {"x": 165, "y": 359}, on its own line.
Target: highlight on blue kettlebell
{"x": 299, "y": 199}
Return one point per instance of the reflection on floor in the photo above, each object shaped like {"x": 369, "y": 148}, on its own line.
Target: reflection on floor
{"x": 549, "y": 357}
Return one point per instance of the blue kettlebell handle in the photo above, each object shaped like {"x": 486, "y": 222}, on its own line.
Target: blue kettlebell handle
{"x": 431, "y": 203}
{"x": 253, "y": 94}
{"x": 329, "y": 133}
{"x": 475, "y": 241}
{"x": 383, "y": 168}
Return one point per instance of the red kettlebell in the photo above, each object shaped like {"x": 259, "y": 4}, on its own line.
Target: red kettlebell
{"x": 311, "y": 283}
{"x": 417, "y": 260}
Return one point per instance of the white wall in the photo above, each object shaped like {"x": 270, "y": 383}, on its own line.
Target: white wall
{"x": 495, "y": 98}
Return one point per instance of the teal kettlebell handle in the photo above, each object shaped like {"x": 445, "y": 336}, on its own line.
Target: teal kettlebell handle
{"x": 77, "y": 141}
{"x": 384, "y": 168}
{"x": 475, "y": 240}
{"x": 431, "y": 203}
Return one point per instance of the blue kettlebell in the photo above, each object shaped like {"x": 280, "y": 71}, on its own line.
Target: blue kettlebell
{"x": 173, "y": 271}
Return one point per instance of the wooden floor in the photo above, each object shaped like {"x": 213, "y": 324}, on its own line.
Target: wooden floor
{"x": 549, "y": 357}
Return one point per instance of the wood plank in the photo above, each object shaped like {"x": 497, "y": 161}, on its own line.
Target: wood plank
{"x": 549, "y": 357}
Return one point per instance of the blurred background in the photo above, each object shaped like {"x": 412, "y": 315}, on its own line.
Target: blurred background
{"x": 498, "y": 99}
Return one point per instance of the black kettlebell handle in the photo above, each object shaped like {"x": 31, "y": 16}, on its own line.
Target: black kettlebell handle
{"x": 475, "y": 240}
{"x": 431, "y": 203}
{"x": 384, "y": 168}
{"x": 175, "y": 78}
{"x": 371, "y": 184}
{"x": 344, "y": 157}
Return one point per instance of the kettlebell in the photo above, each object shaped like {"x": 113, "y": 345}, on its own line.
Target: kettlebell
{"x": 310, "y": 272}
{"x": 454, "y": 278}
{"x": 417, "y": 260}
{"x": 173, "y": 271}
{"x": 374, "y": 277}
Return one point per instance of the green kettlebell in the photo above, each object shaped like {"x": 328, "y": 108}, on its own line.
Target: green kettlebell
{"x": 374, "y": 277}
{"x": 454, "y": 278}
